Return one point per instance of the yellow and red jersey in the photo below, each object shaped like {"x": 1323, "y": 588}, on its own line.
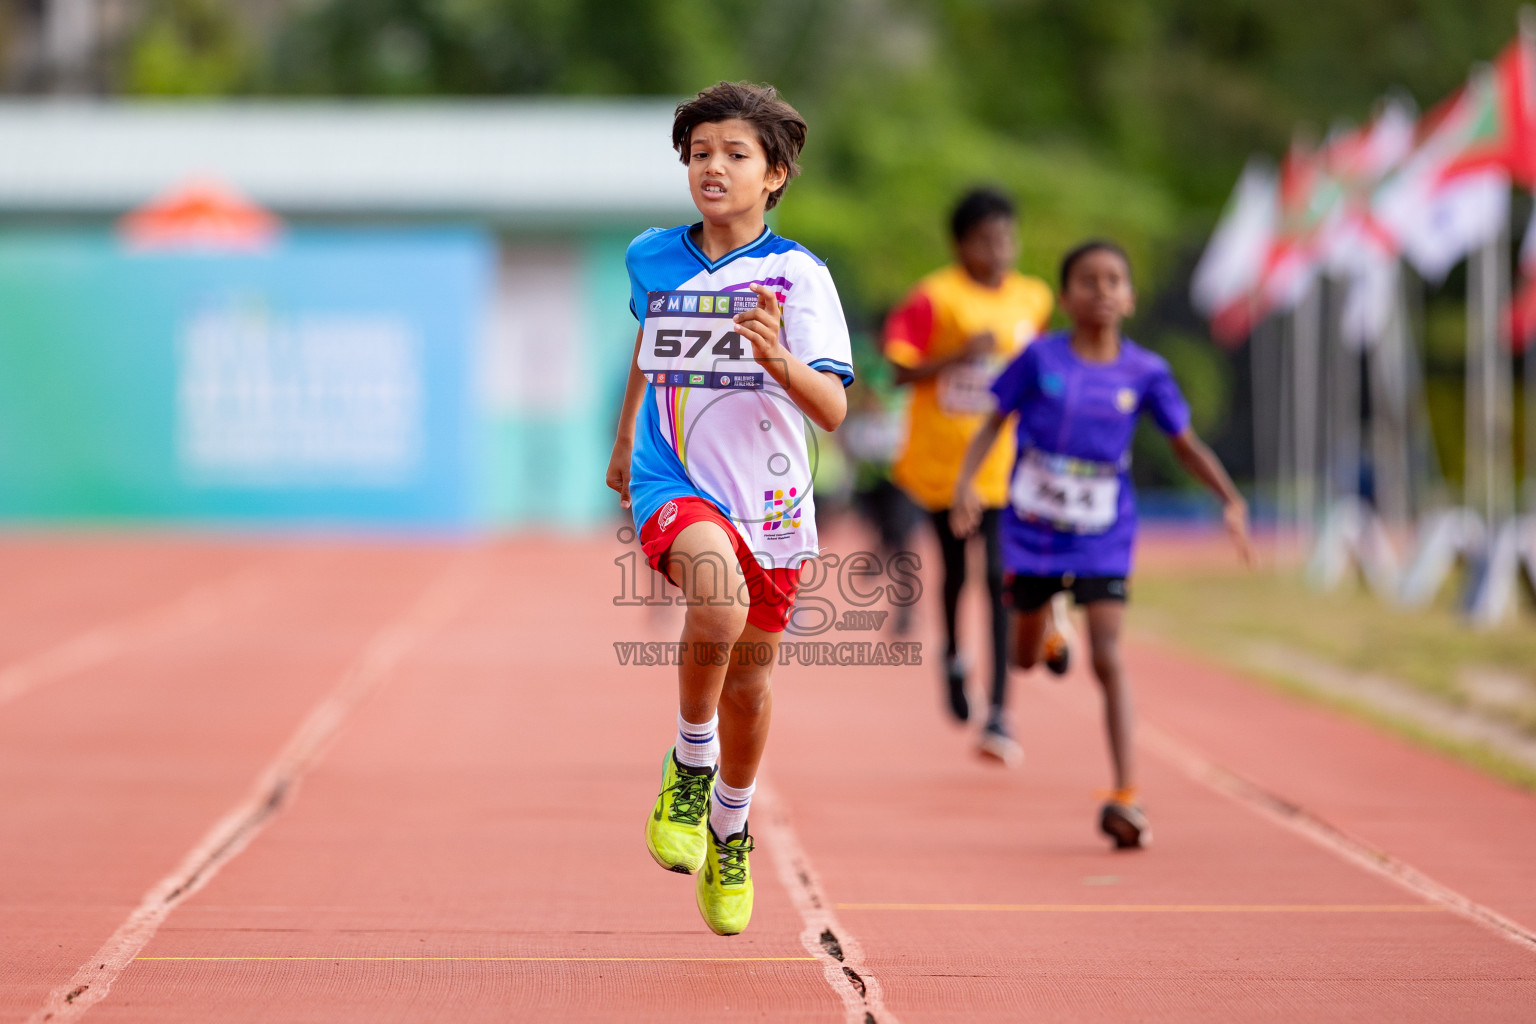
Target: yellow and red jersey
{"x": 946, "y": 308}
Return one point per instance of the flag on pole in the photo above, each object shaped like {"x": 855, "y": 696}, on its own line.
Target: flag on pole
{"x": 1452, "y": 195}
{"x": 1263, "y": 256}
{"x": 1353, "y": 245}
{"x": 1372, "y": 195}
{"x": 1522, "y": 309}
{"x": 1517, "y": 72}
{"x": 1278, "y": 231}
{"x": 1309, "y": 200}
{"x": 1226, "y": 284}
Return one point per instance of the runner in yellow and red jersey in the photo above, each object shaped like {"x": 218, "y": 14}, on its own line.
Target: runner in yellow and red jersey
{"x": 949, "y": 339}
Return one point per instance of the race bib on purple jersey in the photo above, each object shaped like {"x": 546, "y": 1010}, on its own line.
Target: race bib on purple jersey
{"x": 1073, "y": 495}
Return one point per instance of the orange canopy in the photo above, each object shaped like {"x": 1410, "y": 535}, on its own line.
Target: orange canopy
{"x": 200, "y": 214}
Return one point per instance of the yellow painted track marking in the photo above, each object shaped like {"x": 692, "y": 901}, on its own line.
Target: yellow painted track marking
{"x": 519, "y": 959}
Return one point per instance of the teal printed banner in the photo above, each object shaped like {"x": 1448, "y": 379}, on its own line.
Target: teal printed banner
{"x": 328, "y": 380}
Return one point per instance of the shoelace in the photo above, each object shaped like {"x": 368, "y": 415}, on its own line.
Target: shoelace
{"x": 691, "y": 799}
{"x": 733, "y": 861}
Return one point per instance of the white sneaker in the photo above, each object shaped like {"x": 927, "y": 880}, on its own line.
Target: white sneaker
{"x": 996, "y": 743}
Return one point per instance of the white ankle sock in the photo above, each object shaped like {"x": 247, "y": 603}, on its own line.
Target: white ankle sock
{"x": 698, "y": 746}
{"x": 728, "y": 808}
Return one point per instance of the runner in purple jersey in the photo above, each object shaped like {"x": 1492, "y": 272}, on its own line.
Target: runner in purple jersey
{"x": 1071, "y": 520}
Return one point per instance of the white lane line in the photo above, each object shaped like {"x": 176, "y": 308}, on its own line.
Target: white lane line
{"x": 199, "y": 607}
{"x": 1349, "y": 847}
{"x": 274, "y": 786}
{"x": 1295, "y": 818}
{"x": 824, "y": 937}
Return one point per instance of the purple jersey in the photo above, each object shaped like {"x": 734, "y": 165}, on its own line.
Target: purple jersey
{"x": 1071, "y": 505}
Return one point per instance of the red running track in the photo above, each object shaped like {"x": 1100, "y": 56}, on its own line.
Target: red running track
{"x": 260, "y": 781}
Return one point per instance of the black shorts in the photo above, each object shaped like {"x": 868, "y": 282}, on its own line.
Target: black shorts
{"x": 1030, "y": 593}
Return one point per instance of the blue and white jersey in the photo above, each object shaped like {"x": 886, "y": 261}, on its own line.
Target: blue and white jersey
{"x": 714, "y": 423}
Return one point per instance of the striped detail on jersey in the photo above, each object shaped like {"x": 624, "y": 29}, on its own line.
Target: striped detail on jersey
{"x": 677, "y": 406}
{"x": 714, "y": 265}
{"x": 838, "y": 367}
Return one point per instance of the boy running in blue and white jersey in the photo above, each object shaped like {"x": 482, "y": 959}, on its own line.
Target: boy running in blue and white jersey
{"x": 1071, "y": 520}
{"x": 742, "y": 341}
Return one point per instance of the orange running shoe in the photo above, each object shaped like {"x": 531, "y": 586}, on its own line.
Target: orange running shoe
{"x": 1056, "y": 651}
{"x": 1125, "y": 822}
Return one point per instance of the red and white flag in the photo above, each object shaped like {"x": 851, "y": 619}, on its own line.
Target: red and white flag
{"x": 1522, "y": 309}
{"x": 1452, "y": 195}
{"x": 1226, "y": 287}
{"x": 1354, "y": 246}
{"x": 1518, "y": 69}
{"x": 1263, "y": 256}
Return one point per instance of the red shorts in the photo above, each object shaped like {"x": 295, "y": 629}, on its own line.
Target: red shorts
{"x": 770, "y": 592}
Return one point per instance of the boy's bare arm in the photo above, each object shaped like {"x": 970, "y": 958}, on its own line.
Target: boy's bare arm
{"x": 817, "y": 393}
{"x": 1203, "y": 465}
{"x": 965, "y": 506}
{"x": 975, "y": 347}
{"x": 624, "y": 439}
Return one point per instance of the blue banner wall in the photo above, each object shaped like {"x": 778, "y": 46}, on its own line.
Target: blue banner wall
{"x": 325, "y": 381}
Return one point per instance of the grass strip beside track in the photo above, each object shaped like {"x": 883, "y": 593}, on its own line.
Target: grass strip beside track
{"x": 1226, "y": 613}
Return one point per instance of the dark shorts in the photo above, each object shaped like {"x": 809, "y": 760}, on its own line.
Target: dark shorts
{"x": 1030, "y": 593}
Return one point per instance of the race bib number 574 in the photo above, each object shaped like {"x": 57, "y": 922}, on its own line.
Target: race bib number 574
{"x": 690, "y": 340}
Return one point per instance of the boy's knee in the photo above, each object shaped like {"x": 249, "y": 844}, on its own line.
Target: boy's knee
{"x": 747, "y": 694}
{"x": 717, "y": 623}
{"x": 1106, "y": 662}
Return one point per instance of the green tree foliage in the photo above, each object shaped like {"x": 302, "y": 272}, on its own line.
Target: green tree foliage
{"x": 1127, "y": 118}
{"x": 189, "y": 48}
{"x": 893, "y": 139}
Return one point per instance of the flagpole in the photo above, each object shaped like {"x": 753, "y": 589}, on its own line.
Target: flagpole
{"x": 1305, "y": 384}
{"x": 1345, "y": 419}
{"x": 1529, "y": 358}
{"x": 1427, "y": 473}
{"x": 1490, "y": 598}
{"x": 1472, "y": 459}
{"x": 1477, "y": 476}
{"x": 1285, "y": 449}
{"x": 1260, "y": 353}
{"x": 1498, "y": 413}
{"x": 1527, "y": 18}
{"x": 1388, "y": 373}
{"x": 1327, "y": 405}
{"x": 1489, "y": 474}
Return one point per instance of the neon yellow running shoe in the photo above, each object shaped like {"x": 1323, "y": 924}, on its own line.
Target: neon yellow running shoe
{"x": 675, "y": 832}
{"x": 725, "y": 884}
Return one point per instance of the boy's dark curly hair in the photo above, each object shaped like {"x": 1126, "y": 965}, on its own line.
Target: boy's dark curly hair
{"x": 780, "y": 128}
